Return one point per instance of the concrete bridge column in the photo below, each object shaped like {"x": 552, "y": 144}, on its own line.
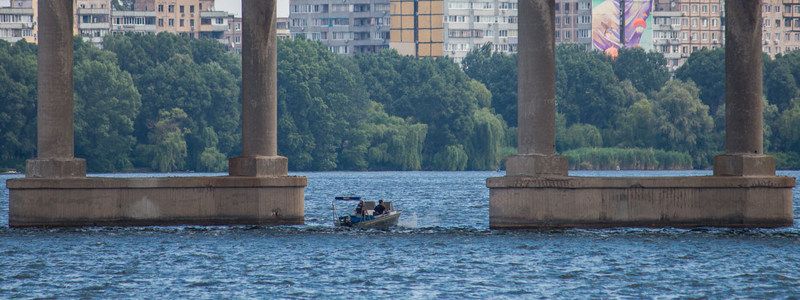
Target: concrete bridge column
{"x": 536, "y": 93}
{"x": 259, "y": 94}
{"x": 744, "y": 107}
{"x": 54, "y": 116}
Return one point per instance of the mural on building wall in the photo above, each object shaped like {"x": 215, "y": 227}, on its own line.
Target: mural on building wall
{"x": 606, "y": 27}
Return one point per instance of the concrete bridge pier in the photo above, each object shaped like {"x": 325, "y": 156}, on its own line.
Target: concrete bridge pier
{"x": 55, "y": 143}
{"x": 537, "y": 193}
{"x": 56, "y": 191}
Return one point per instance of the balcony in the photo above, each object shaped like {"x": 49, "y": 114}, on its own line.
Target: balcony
{"x": 105, "y": 25}
{"x": 93, "y": 11}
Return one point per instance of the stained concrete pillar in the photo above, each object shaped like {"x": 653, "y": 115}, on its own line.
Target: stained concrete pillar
{"x": 536, "y": 93}
{"x": 54, "y": 116}
{"x": 259, "y": 94}
{"x": 744, "y": 107}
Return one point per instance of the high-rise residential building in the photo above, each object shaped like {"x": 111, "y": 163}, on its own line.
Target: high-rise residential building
{"x": 684, "y": 26}
{"x": 346, "y": 27}
{"x": 417, "y": 27}
{"x": 470, "y": 24}
{"x": 791, "y": 25}
{"x": 93, "y": 19}
{"x": 574, "y": 22}
{"x": 233, "y": 36}
{"x": 18, "y": 21}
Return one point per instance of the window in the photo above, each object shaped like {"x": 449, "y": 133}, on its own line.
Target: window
{"x": 181, "y": 23}
{"x": 171, "y": 22}
{"x": 191, "y": 8}
{"x": 160, "y": 22}
{"x": 191, "y": 22}
{"x": 161, "y": 7}
{"x": 182, "y": 9}
{"x": 171, "y": 8}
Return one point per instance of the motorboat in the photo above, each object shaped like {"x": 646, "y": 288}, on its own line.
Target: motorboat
{"x": 367, "y": 218}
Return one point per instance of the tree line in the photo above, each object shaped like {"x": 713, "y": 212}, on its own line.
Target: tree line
{"x": 607, "y": 106}
{"x": 169, "y": 103}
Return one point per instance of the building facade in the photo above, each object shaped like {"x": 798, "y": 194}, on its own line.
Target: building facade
{"x": 470, "y": 24}
{"x": 348, "y": 27}
{"x": 684, "y": 26}
{"x": 417, "y": 27}
{"x": 574, "y": 22}
{"x": 18, "y": 21}
{"x": 233, "y": 36}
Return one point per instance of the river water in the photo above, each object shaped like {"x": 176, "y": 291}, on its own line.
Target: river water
{"x": 443, "y": 249}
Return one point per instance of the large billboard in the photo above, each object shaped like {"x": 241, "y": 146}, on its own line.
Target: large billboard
{"x": 606, "y": 25}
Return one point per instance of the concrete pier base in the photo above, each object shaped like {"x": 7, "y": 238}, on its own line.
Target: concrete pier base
{"x": 96, "y": 201}
{"x": 712, "y": 201}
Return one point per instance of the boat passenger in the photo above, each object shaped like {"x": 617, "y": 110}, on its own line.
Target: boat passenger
{"x": 379, "y": 209}
{"x": 360, "y": 208}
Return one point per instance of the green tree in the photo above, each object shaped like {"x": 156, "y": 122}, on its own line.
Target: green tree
{"x": 588, "y": 92}
{"x": 706, "y": 68}
{"x": 646, "y": 70}
{"x": 498, "y": 71}
{"x": 167, "y": 148}
{"x": 18, "y": 96}
{"x": 685, "y": 124}
{"x": 106, "y": 105}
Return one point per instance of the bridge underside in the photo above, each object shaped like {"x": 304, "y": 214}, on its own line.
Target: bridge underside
{"x": 93, "y": 201}
{"x": 714, "y": 201}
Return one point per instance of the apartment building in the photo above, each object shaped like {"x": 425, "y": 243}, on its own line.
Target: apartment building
{"x": 18, "y": 21}
{"x": 574, "y": 22}
{"x": 417, "y": 27}
{"x": 684, "y": 26}
{"x": 93, "y": 20}
{"x": 347, "y": 27}
{"x": 233, "y": 36}
{"x": 469, "y": 24}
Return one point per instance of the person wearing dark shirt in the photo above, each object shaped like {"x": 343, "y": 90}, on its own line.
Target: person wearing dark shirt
{"x": 379, "y": 209}
{"x": 360, "y": 208}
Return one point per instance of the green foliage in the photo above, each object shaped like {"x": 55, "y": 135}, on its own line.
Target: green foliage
{"x": 579, "y": 136}
{"x": 588, "y": 92}
{"x": 789, "y": 129}
{"x": 171, "y": 103}
{"x": 18, "y": 98}
{"x": 706, "y": 68}
{"x": 627, "y": 159}
{"x": 451, "y": 158}
{"x": 436, "y": 92}
{"x": 394, "y": 144}
{"x": 106, "y": 105}
{"x": 646, "y": 70}
{"x": 787, "y": 160}
{"x": 498, "y": 71}
{"x": 167, "y": 148}
{"x": 684, "y": 124}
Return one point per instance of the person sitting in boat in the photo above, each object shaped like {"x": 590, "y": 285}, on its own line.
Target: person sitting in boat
{"x": 379, "y": 209}
{"x": 360, "y": 208}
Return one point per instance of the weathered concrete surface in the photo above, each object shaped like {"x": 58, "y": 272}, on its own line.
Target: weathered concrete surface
{"x": 538, "y": 165}
{"x": 536, "y": 93}
{"x": 54, "y": 114}
{"x": 156, "y": 201}
{"x": 258, "y": 166}
{"x": 259, "y": 79}
{"x": 552, "y": 202}
{"x": 744, "y": 107}
{"x": 744, "y": 165}
{"x": 259, "y": 94}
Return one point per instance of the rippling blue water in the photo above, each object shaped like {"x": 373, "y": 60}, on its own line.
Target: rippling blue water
{"x": 435, "y": 254}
